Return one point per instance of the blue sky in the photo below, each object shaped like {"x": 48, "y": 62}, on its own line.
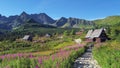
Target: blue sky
{"x": 84, "y": 9}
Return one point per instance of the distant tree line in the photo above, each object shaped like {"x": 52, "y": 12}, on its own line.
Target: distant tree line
{"x": 13, "y": 35}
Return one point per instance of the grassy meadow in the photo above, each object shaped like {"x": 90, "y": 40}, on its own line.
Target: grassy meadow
{"x": 108, "y": 54}
{"x": 42, "y": 52}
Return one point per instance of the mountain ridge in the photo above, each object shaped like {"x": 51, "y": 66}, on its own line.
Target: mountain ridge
{"x": 42, "y": 18}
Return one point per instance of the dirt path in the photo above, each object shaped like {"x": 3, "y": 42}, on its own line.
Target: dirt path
{"x": 86, "y": 60}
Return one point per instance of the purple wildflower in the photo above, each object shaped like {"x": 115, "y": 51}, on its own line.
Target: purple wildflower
{"x": 36, "y": 66}
{"x": 40, "y": 60}
{"x": 2, "y": 57}
{"x": 30, "y": 56}
{"x": 53, "y": 57}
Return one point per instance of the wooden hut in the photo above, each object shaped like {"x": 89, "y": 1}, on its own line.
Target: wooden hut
{"x": 48, "y": 35}
{"x": 27, "y": 38}
{"x": 98, "y": 35}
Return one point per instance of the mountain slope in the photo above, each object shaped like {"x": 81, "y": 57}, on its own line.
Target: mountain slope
{"x": 33, "y": 24}
{"x": 73, "y": 23}
{"x": 110, "y": 20}
{"x": 61, "y": 22}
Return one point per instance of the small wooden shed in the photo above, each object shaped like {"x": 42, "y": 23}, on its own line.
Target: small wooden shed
{"x": 27, "y": 38}
{"x": 97, "y": 35}
{"x": 48, "y": 35}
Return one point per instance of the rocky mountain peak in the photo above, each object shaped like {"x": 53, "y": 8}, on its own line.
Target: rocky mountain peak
{"x": 45, "y": 18}
{"x": 24, "y": 16}
{"x": 44, "y": 14}
{"x": 23, "y": 13}
{"x": 62, "y": 18}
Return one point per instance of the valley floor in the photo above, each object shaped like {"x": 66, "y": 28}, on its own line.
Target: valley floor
{"x": 86, "y": 60}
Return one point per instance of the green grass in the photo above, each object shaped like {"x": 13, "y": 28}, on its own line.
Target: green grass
{"x": 32, "y": 63}
{"x": 111, "y": 20}
{"x": 43, "y": 53}
{"x": 64, "y": 44}
{"x": 108, "y": 55}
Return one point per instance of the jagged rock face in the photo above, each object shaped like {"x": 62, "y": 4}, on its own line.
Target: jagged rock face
{"x": 42, "y": 18}
{"x": 24, "y": 16}
{"x": 11, "y": 18}
{"x": 61, "y": 22}
{"x": 3, "y": 19}
{"x": 45, "y": 18}
{"x": 72, "y": 22}
{"x": 36, "y": 18}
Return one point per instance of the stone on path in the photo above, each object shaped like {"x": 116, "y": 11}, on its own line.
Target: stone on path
{"x": 86, "y": 60}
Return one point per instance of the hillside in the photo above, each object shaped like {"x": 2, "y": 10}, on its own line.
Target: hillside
{"x": 110, "y": 20}
{"x": 73, "y": 23}
{"x": 33, "y": 24}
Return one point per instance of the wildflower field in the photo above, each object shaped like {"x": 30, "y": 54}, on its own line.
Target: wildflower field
{"x": 62, "y": 59}
{"x": 55, "y": 53}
